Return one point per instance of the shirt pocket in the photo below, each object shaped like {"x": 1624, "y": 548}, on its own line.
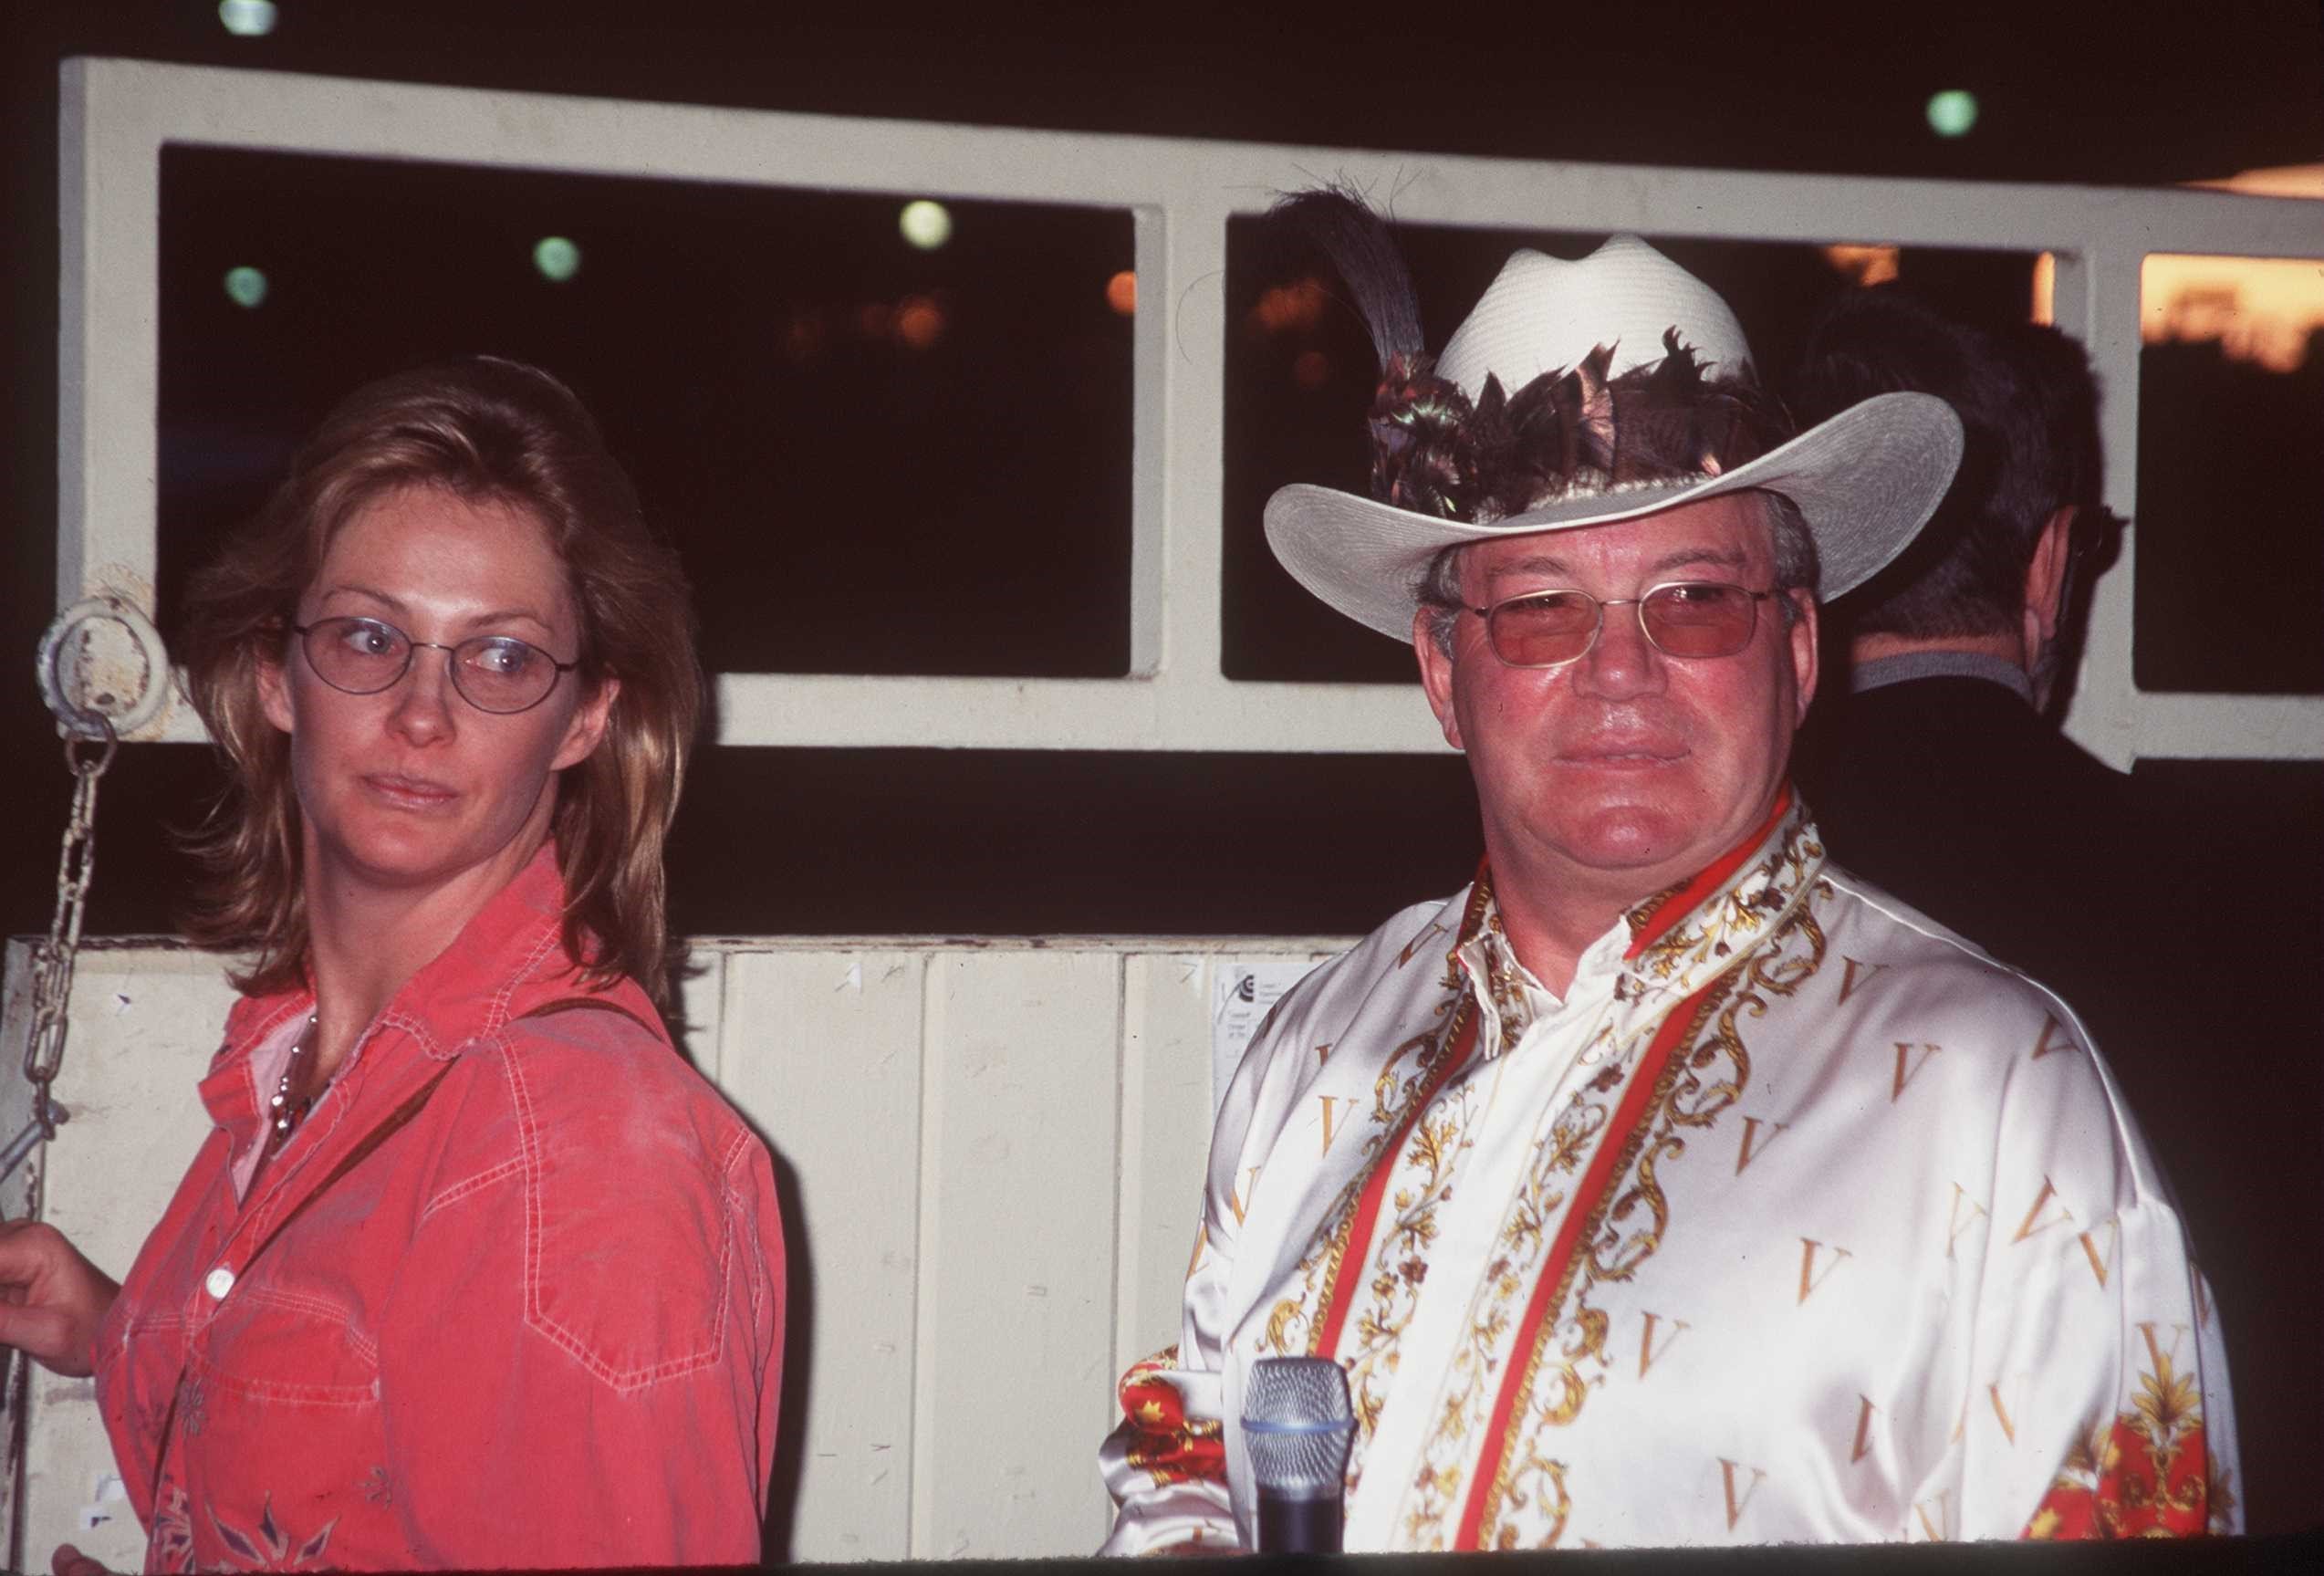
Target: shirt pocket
{"x": 286, "y": 1343}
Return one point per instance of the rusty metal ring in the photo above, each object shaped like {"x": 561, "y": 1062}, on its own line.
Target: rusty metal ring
{"x": 108, "y": 717}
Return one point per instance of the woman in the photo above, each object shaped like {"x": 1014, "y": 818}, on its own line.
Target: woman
{"x": 473, "y": 1269}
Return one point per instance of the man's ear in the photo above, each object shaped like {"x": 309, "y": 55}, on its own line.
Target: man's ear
{"x": 587, "y": 730}
{"x": 1803, "y": 651}
{"x": 2046, "y": 577}
{"x": 274, "y": 690}
{"x": 1436, "y": 674}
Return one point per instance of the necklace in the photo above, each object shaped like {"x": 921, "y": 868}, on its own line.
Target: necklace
{"x": 287, "y": 1112}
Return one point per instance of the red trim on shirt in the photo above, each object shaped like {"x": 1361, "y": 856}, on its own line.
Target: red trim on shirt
{"x": 1588, "y": 1205}
{"x": 1348, "y": 1268}
{"x": 1678, "y": 904}
{"x": 1353, "y": 1266}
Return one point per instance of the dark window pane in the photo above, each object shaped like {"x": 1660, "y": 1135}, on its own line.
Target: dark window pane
{"x": 874, "y": 458}
{"x": 2231, "y": 477}
{"x": 1300, "y": 373}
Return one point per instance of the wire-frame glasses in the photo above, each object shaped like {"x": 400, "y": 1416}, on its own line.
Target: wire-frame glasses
{"x": 1682, "y": 619}
{"x": 497, "y": 673}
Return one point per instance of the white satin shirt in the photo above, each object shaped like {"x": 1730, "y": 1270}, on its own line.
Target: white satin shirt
{"x": 1798, "y": 1218}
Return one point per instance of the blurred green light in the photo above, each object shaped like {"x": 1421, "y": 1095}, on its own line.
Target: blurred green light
{"x": 247, "y": 18}
{"x": 246, "y": 286}
{"x": 925, "y": 224}
{"x": 558, "y": 258}
{"x": 1952, "y": 111}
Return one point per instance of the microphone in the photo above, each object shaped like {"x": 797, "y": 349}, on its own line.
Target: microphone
{"x": 1297, "y": 1426}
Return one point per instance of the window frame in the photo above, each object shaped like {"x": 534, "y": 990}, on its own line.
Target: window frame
{"x": 116, "y": 115}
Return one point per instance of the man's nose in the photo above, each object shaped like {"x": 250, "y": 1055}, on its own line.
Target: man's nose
{"x": 1622, "y": 662}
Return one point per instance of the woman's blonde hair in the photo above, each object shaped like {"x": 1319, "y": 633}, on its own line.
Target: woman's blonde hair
{"x": 487, "y": 431}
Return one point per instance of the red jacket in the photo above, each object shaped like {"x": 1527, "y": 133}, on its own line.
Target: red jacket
{"x": 512, "y": 1295}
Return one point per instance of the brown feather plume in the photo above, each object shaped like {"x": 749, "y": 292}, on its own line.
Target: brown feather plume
{"x": 1570, "y": 431}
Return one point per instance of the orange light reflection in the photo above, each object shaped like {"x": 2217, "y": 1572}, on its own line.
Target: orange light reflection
{"x": 2259, "y": 310}
{"x": 1864, "y": 265}
{"x": 1293, "y": 305}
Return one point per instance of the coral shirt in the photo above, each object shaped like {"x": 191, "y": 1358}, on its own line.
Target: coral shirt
{"x": 511, "y": 1295}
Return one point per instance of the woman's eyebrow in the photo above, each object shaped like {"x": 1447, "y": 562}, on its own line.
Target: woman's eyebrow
{"x": 472, "y": 621}
{"x": 391, "y": 603}
{"x": 505, "y": 615}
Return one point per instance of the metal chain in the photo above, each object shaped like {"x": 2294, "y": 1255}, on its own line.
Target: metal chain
{"x": 53, "y": 958}
{"x": 98, "y": 690}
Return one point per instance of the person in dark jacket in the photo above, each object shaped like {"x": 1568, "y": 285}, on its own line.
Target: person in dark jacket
{"x": 1934, "y": 770}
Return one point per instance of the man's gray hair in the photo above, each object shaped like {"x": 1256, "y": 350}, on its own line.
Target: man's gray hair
{"x": 1797, "y": 566}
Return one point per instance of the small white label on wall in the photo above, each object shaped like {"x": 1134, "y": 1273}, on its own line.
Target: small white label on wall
{"x": 109, "y": 1502}
{"x": 1241, "y": 993}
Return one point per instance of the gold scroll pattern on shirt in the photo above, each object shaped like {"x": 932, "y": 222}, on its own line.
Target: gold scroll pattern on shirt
{"x": 1527, "y": 1233}
{"x": 1630, "y": 1218}
{"x": 1412, "y": 1069}
{"x": 1293, "y": 1321}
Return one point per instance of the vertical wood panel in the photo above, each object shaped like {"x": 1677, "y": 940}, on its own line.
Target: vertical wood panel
{"x": 821, "y": 1051}
{"x": 1018, "y": 1199}
{"x": 144, "y": 1024}
{"x": 1165, "y": 1137}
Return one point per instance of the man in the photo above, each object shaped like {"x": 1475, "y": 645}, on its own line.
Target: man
{"x": 1934, "y": 771}
{"x": 1665, "y": 1185}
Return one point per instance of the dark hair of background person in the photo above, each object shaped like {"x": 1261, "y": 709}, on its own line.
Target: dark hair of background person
{"x": 2028, "y": 408}
{"x": 485, "y": 430}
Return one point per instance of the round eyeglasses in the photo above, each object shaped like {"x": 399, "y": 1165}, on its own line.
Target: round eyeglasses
{"x": 1682, "y": 619}
{"x": 497, "y": 673}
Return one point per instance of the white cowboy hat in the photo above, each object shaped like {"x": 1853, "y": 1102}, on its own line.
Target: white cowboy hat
{"x": 1866, "y": 480}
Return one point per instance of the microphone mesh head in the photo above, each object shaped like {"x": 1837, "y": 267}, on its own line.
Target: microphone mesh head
{"x": 1296, "y": 1424}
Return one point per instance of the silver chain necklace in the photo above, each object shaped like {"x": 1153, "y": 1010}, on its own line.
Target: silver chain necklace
{"x": 284, "y": 1112}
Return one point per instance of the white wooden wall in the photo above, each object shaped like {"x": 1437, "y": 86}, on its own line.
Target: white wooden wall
{"x": 995, "y": 1152}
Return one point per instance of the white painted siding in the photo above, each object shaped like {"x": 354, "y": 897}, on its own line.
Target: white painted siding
{"x": 144, "y": 1022}
{"x": 992, "y": 1154}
